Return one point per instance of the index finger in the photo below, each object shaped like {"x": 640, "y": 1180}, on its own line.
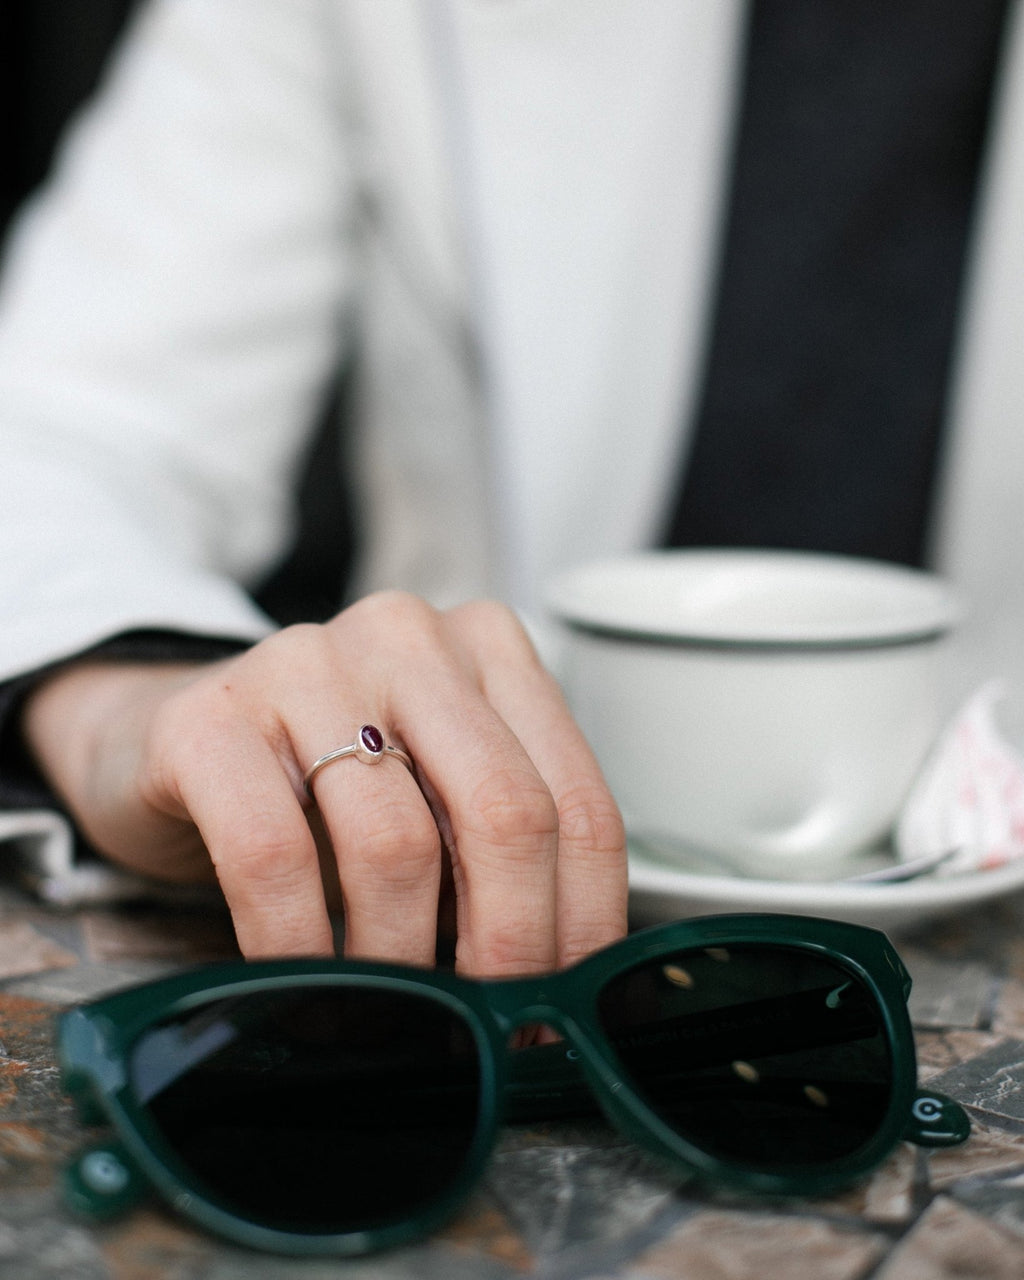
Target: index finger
{"x": 245, "y": 807}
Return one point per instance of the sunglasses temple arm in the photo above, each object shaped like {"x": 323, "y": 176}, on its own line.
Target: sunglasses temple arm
{"x": 547, "y": 1081}
{"x": 103, "y": 1182}
{"x": 936, "y": 1121}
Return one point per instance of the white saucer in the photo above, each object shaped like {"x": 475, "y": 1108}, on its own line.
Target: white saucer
{"x": 659, "y": 892}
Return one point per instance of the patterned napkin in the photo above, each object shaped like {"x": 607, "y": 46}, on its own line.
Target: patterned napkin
{"x": 969, "y": 795}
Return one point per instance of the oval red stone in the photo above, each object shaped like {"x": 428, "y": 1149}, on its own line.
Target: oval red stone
{"x": 372, "y": 739}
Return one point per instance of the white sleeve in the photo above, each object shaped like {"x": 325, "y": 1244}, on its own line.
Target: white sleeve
{"x": 171, "y": 309}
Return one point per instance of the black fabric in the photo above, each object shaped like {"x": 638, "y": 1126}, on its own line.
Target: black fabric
{"x": 859, "y": 139}
{"x": 51, "y": 57}
{"x": 308, "y": 584}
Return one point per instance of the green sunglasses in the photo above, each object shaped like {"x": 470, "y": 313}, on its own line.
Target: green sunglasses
{"x": 334, "y": 1107}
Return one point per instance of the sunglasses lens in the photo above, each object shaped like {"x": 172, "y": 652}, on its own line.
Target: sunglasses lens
{"x": 316, "y": 1109}
{"x": 768, "y": 1056}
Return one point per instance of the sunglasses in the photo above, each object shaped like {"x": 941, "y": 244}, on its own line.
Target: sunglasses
{"x": 335, "y": 1107}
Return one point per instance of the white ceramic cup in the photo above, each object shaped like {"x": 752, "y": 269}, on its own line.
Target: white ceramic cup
{"x": 763, "y": 711}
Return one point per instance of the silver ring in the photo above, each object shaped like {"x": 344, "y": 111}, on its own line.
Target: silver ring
{"x": 369, "y": 747}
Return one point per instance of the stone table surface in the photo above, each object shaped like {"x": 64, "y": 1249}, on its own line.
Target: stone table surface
{"x": 563, "y": 1202}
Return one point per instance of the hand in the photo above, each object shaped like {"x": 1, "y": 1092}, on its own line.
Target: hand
{"x": 187, "y": 771}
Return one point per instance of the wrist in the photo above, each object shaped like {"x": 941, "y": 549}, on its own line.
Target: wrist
{"x": 68, "y": 719}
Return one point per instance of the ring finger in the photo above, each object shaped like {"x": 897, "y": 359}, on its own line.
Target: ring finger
{"x": 386, "y": 845}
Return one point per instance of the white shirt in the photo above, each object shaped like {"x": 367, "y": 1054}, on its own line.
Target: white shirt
{"x": 508, "y": 209}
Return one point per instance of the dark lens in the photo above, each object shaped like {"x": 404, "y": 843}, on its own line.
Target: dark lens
{"x": 768, "y": 1056}
{"x": 318, "y": 1109}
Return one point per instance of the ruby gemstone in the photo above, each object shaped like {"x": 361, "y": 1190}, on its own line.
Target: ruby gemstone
{"x": 372, "y": 739}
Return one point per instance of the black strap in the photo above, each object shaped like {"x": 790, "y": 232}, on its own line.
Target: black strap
{"x": 858, "y": 148}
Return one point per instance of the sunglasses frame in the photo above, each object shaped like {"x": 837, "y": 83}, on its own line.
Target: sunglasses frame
{"x": 95, "y": 1043}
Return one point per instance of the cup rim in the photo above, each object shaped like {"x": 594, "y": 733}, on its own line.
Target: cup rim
{"x": 636, "y": 598}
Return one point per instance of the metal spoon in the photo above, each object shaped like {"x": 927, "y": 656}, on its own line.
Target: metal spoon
{"x": 909, "y": 870}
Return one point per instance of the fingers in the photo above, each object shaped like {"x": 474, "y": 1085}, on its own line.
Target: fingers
{"x": 591, "y": 881}
{"x": 504, "y": 841}
{"x": 497, "y": 814}
{"x": 264, "y": 722}
{"x": 504, "y": 785}
{"x": 536, "y": 840}
{"x": 386, "y": 844}
{"x": 388, "y": 853}
{"x": 262, "y": 848}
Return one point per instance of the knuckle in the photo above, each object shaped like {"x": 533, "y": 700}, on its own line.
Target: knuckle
{"x": 267, "y": 857}
{"x": 195, "y": 716}
{"x": 300, "y": 637}
{"x": 394, "y": 628}
{"x": 508, "y": 950}
{"x": 491, "y": 614}
{"x": 193, "y": 733}
{"x": 512, "y": 808}
{"x": 492, "y": 623}
{"x": 589, "y": 821}
{"x": 303, "y": 647}
{"x": 392, "y": 609}
{"x": 397, "y": 847}
{"x": 590, "y": 936}
{"x": 185, "y": 727}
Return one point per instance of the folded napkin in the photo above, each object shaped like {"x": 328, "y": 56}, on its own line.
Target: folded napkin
{"x": 969, "y": 796}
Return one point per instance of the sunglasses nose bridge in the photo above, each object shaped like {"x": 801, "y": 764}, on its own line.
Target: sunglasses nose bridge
{"x": 519, "y": 1002}
{"x": 533, "y": 1014}
{"x": 552, "y": 1001}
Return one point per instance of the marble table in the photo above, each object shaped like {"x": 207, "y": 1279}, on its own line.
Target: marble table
{"x": 561, "y": 1201}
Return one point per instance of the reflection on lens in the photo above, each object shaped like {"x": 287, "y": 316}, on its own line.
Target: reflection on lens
{"x": 769, "y": 1055}
{"x": 319, "y": 1109}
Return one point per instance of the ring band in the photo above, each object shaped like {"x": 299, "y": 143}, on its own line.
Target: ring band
{"x": 369, "y": 747}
